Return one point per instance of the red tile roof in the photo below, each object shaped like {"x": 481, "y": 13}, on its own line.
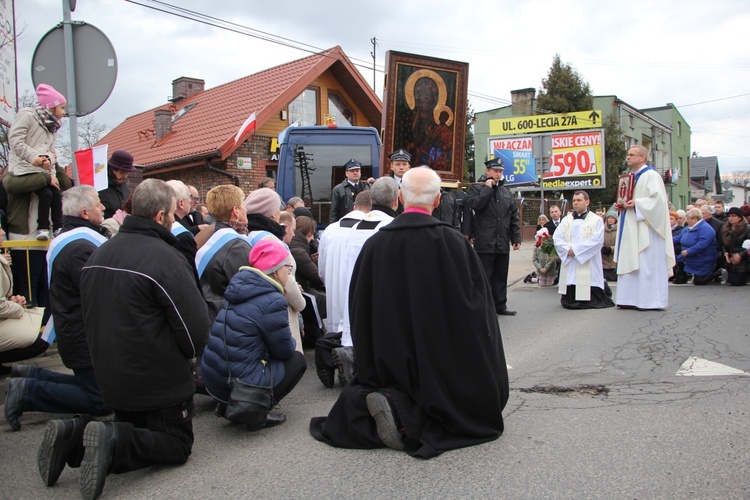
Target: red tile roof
{"x": 208, "y": 129}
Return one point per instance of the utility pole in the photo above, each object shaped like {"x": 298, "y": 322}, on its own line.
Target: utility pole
{"x": 374, "y": 42}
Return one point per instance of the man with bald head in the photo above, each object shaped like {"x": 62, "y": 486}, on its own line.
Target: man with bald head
{"x": 644, "y": 259}
{"x": 431, "y": 373}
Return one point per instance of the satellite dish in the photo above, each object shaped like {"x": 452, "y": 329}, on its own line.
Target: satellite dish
{"x": 95, "y": 65}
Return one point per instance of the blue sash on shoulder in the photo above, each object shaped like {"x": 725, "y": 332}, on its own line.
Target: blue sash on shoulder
{"x": 178, "y": 229}
{"x": 215, "y": 243}
{"x": 58, "y": 243}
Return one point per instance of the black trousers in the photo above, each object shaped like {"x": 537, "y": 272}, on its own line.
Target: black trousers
{"x": 50, "y": 199}
{"x": 24, "y": 353}
{"x": 496, "y": 268}
{"x": 163, "y": 436}
{"x": 36, "y": 291}
{"x": 294, "y": 368}
{"x": 323, "y": 347}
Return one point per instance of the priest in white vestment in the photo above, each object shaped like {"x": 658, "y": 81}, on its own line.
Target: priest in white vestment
{"x": 644, "y": 252}
{"x": 578, "y": 241}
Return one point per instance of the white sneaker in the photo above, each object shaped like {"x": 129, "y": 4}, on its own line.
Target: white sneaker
{"x": 43, "y": 235}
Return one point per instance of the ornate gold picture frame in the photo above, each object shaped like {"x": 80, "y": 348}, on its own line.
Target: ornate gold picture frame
{"x": 425, "y": 102}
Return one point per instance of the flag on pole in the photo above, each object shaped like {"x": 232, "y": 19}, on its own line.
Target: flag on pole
{"x": 92, "y": 167}
{"x": 246, "y": 127}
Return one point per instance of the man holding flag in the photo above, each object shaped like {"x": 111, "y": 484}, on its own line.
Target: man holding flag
{"x": 31, "y": 388}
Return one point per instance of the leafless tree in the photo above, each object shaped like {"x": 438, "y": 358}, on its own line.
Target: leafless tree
{"x": 740, "y": 177}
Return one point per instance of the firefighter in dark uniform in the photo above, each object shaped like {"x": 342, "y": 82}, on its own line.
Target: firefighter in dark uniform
{"x": 342, "y": 196}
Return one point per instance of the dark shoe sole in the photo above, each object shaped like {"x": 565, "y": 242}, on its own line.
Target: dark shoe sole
{"x": 326, "y": 376}
{"x": 95, "y": 461}
{"x": 341, "y": 363}
{"x": 48, "y": 459}
{"x": 275, "y": 420}
{"x": 11, "y": 419}
{"x": 380, "y": 409}
{"x": 506, "y": 312}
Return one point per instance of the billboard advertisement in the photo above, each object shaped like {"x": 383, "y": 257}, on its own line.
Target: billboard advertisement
{"x": 577, "y": 160}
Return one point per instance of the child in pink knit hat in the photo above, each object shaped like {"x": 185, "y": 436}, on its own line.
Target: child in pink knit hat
{"x": 250, "y": 338}
{"x": 32, "y": 152}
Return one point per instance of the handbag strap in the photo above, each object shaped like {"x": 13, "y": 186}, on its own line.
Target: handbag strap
{"x": 226, "y": 355}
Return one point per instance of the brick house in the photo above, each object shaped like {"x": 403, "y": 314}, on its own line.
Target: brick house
{"x": 192, "y": 137}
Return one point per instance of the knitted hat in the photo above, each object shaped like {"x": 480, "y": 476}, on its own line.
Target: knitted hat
{"x": 263, "y": 201}
{"x": 48, "y": 96}
{"x": 611, "y": 213}
{"x": 268, "y": 256}
{"x": 299, "y": 211}
{"x": 734, "y": 211}
{"x": 122, "y": 160}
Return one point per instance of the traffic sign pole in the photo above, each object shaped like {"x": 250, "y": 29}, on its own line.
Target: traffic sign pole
{"x": 71, "y": 81}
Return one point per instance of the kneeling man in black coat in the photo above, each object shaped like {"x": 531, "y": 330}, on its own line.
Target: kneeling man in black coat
{"x": 431, "y": 373}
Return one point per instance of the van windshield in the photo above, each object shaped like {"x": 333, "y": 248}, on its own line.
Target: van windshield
{"x": 318, "y": 168}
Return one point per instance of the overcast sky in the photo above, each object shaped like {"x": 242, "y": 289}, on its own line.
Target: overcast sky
{"x": 647, "y": 53}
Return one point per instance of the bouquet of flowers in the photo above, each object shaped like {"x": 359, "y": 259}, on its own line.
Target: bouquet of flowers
{"x": 545, "y": 243}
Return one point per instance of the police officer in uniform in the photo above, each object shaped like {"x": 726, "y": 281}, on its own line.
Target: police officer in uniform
{"x": 400, "y": 164}
{"x": 496, "y": 227}
{"x": 342, "y": 196}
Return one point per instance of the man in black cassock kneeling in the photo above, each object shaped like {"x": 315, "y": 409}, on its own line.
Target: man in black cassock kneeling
{"x": 431, "y": 372}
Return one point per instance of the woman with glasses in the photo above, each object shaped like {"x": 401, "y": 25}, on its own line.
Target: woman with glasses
{"x": 250, "y": 337}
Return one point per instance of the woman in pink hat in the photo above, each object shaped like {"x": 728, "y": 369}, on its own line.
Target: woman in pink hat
{"x": 250, "y": 338}
{"x": 32, "y": 152}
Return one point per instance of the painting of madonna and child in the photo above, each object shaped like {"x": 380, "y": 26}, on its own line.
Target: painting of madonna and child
{"x": 425, "y": 111}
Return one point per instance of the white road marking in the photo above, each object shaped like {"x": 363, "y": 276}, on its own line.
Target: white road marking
{"x": 698, "y": 367}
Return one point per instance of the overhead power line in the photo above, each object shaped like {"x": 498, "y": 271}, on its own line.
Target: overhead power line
{"x": 223, "y": 24}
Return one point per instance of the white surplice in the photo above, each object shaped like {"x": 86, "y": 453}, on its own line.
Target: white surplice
{"x": 644, "y": 259}
{"x": 339, "y": 248}
{"x": 584, "y": 268}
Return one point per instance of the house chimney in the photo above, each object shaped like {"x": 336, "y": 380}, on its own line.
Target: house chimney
{"x": 184, "y": 87}
{"x": 163, "y": 118}
{"x": 522, "y": 101}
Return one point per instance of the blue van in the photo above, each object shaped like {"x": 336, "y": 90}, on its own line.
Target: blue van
{"x": 311, "y": 162}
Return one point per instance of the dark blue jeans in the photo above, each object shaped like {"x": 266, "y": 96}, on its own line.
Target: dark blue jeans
{"x": 53, "y": 392}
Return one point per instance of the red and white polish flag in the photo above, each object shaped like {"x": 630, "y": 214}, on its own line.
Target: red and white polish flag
{"x": 92, "y": 167}
{"x": 246, "y": 127}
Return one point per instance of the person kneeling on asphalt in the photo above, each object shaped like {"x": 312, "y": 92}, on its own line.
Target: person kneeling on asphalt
{"x": 339, "y": 247}
{"x": 431, "y": 372}
{"x": 144, "y": 320}
{"x": 250, "y": 338}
